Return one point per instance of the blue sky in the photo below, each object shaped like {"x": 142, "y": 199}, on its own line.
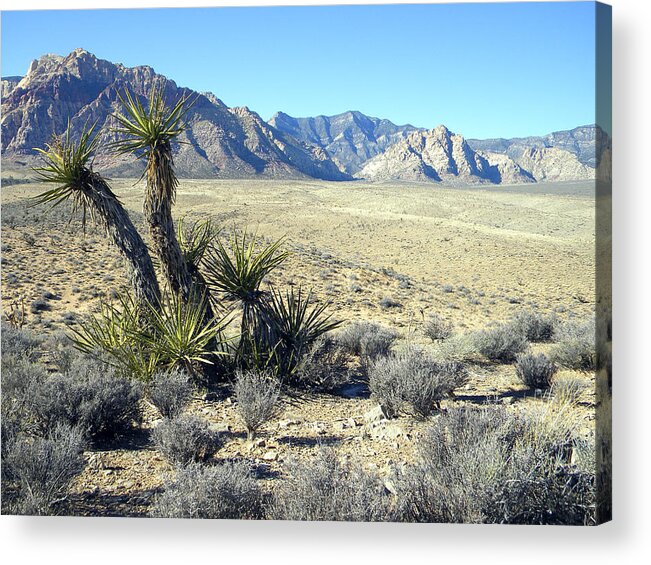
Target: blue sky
{"x": 484, "y": 70}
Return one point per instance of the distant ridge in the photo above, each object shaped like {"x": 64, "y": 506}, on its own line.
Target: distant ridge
{"x": 223, "y": 142}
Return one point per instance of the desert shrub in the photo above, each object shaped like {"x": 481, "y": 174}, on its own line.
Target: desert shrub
{"x": 329, "y": 488}
{"x": 256, "y": 394}
{"x": 367, "y": 340}
{"x": 534, "y": 325}
{"x": 61, "y": 350}
{"x": 170, "y": 392}
{"x": 88, "y": 396}
{"x": 488, "y": 466}
{"x": 19, "y": 376}
{"x": 575, "y": 345}
{"x": 413, "y": 380}
{"x": 20, "y": 342}
{"x": 436, "y": 328}
{"x": 500, "y": 343}
{"x": 185, "y": 439}
{"x": 387, "y": 302}
{"x": 42, "y": 468}
{"x": 324, "y": 367}
{"x": 228, "y": 492}
{"x": 567, "y": 389}
{"x": 535, "y": 371}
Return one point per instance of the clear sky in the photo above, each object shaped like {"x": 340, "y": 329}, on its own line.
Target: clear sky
{"x": 484, "y": 70}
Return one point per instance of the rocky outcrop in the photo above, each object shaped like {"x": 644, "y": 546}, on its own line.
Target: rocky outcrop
{"x": 439, "y": 155}
{"x": 350, "y": 139}
{"x": 218, "y": 142}
{"x": 7, "y": 84}
{"x": 553, "y": 164}
{"x": 561, "y": 155}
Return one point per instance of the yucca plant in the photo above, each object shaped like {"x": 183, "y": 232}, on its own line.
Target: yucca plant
{"x": 67, "y": 165}
{"x": 195, "y": 239}
{"x": 148, "y": 132}
{"x": 119, "y": 336}
{"x": 237, "y": 271}
{"x": 175, "y": 335}
{"x": 293, "y": 322}
{"x": 179, "y": 335}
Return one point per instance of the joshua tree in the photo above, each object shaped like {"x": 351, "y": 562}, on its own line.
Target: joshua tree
{"x": 148, "y": 133}
{"x": 67, "y": 165}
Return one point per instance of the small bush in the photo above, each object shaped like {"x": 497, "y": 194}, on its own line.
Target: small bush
{"x": 534, "y": 325}
{"x": 185, "y": 439}
{"x": 413, "y": 379}
{"x": 436, "y": 328}
{"x": 567, "y": 389}
{"x": 489, "y": 466}
{"x": 170, "y": 392}
{"x": 500, "y": 343}
{"x": 324, "y": 367}
{"x": 535, "y": 371}
{"x": 328, "y": 489}
{"x": 367, "y": 340}
{"x": 576, "y": 347}
{"x": 88, "y": 396}
{"x": 226, "y": 492}
{"x": 256, "y": 394}
{"x": 42, "y": 468}
{"x": 18, "y": 342}
{"x": 387, "y": 302}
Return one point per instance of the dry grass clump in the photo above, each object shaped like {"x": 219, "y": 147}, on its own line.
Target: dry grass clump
{"x": 436, "y": 328}
{"x": 88, "y": 396}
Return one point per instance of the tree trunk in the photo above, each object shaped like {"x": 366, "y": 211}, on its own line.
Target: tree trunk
{"x": 160, "y": 196}
{"x": 161, "y": 193}
{"x": 110, "y": 212}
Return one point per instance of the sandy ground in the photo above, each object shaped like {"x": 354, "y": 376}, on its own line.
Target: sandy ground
{"x": 474, "y": 256}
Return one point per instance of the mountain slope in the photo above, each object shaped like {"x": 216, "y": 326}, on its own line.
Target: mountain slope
{"x": 439, "y": 155}
{"x": 218, "y": 142}
{"x": 350, "y": 139}
{"x": 560, "y": 155}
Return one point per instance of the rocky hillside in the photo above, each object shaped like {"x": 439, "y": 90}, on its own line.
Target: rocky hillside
{"x": 560, "y": 155}
{"x": 441, "y": 156}
{"x": 7, "y": 84}
{"x": 350, "y": 139}
{"x": 219, "y": 141}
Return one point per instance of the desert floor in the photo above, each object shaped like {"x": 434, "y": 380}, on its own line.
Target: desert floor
{"x": 473, "y": 255}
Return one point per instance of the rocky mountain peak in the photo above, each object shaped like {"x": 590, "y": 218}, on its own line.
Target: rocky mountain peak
{"x": 218, "y": 141}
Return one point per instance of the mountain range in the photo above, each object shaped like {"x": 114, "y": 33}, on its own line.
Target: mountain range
{"x": 223, "y": 142}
